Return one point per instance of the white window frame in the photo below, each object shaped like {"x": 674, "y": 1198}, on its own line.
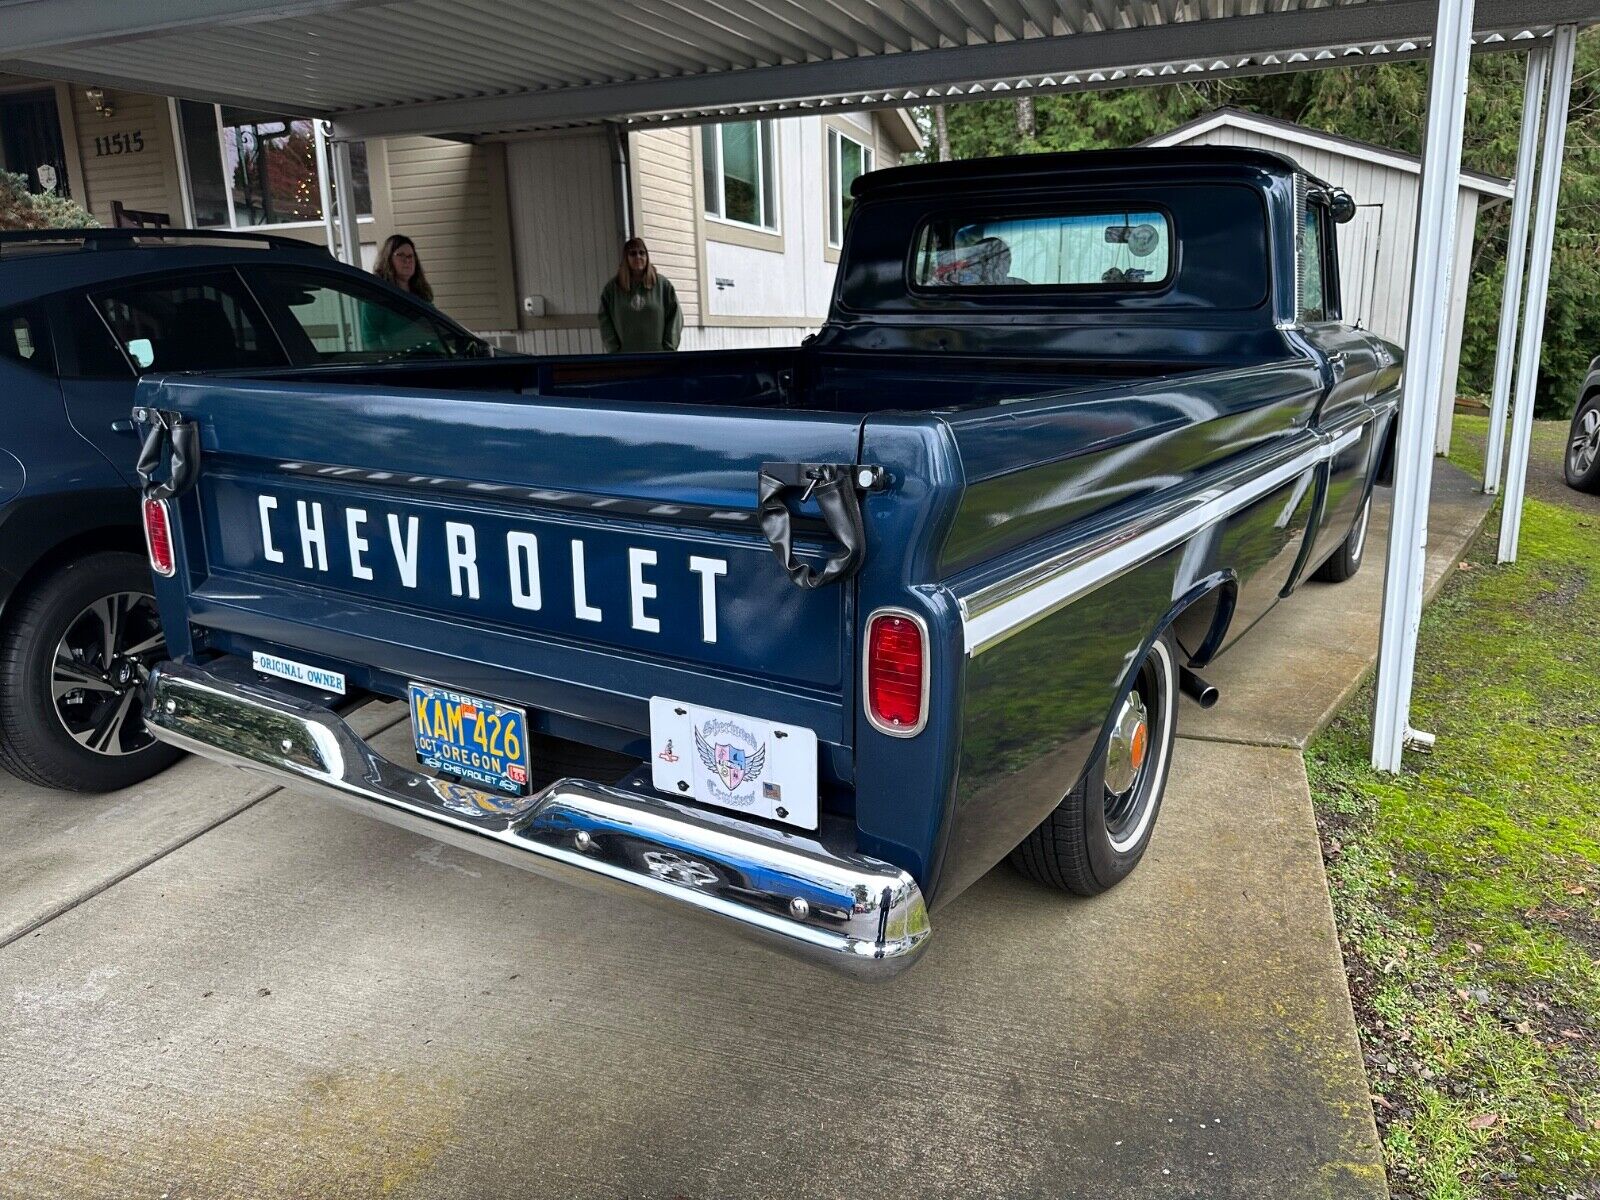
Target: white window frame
{"x": 764, "y": 133}
{"x": 835, "y": 179}
{"x": 324, "y": 167}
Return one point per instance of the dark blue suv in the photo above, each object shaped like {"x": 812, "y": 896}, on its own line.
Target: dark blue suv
{"x": 83, "y": 314}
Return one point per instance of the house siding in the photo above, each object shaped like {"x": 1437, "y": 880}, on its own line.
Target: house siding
{"x": 450, "y": 199}
{"x": 147, "y": 179}
{"x": 666, "y": 207}
{"x": 564, "y": 228}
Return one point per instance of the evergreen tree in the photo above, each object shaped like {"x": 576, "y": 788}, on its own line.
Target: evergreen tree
{"x": 22, "y": 209}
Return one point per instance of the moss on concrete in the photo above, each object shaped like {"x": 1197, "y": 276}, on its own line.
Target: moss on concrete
{"x": 1467, "y": 890}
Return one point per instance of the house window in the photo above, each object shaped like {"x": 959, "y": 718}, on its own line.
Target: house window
{"x": 739, "y": 175}
{"x": 847, "y": 158}
{"x": 249, "y": 168}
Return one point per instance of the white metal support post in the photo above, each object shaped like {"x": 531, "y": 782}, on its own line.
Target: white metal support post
{"x": 1544, "y": 237}
{"x": 1419, "y": 405}
{"x": 1516, "y": 251}
{"x": 344, "y": 184}
{"x": 325, "y": 186}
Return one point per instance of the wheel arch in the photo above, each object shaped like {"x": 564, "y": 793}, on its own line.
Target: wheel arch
{"x": 1217, "y": 592}
{"x": 38, "y": 537}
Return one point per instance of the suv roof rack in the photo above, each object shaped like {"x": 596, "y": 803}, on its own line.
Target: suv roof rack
{"x": 99, "y": 239}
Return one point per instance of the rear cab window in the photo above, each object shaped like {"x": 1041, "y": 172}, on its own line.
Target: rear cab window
{"x": 1087, "y": 250}
{"x": 198, "y": 321}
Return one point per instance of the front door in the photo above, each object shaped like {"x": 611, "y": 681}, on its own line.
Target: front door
{"x": 30, "y": 141}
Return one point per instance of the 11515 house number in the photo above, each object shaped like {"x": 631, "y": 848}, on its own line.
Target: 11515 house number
{"x": 119, "y": 143}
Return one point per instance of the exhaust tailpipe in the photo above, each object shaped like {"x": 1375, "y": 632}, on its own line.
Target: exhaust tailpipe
{"x": 1202, "y": 693}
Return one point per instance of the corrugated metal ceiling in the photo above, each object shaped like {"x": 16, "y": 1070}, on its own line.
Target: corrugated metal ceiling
{"x": 476, "y": 66}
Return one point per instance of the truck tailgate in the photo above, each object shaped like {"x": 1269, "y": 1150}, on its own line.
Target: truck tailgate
{"x": 583, "y": 555}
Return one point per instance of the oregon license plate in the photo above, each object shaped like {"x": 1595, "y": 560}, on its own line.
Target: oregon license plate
{"x": 757, "y": 767}
{"x": 480, "y": 741}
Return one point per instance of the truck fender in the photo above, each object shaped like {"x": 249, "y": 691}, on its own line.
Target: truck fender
{"x": 1384, "y": 471}
{"x": 1223, "y": 587}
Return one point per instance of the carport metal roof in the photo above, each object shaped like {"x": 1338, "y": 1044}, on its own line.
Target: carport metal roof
{"x": 484, "y": 66}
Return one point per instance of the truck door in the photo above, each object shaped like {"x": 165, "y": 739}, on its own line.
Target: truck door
{"x": 1352, "y": 365}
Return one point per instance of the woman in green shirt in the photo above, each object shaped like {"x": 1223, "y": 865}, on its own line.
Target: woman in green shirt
{"x": 638, "y": 309}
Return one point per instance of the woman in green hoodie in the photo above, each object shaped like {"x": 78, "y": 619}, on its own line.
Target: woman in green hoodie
{"x": 638, "y": 309}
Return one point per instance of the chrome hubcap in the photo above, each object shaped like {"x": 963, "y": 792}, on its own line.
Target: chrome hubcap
{"x": 99, "y": 665}
{"x": 1129, "y": 746}
{"x": 1585, "y": 442}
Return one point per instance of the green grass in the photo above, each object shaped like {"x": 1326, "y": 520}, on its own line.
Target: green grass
{"x": 1467, "y": 890}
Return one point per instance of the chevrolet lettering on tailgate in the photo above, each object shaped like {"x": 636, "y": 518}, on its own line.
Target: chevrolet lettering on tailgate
{"x": 397, "y": 540}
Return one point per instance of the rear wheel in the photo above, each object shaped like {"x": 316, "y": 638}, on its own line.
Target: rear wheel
{"x": 74, "y": 653}
{"x": 1099, "y": 831}
{"x": 1346, "y": 560}
{"x": 1582, "y": 464}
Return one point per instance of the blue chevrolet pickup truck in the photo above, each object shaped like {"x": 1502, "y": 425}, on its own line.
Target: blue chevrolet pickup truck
{"x": 803, "y": 639}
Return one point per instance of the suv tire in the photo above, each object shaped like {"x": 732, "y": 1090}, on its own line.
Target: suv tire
{"x": 74, "y": 653}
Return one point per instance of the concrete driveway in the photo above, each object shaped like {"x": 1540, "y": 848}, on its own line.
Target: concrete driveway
{"x": 213, "y": 989}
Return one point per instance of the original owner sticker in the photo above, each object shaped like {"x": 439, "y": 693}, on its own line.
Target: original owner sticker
{"x": 298, "y": 672}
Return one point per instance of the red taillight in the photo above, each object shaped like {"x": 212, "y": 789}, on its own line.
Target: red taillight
{"x": 158, "y": 537}
{"x": 897, "y": 673}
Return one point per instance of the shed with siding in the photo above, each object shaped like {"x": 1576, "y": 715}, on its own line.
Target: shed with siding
{"x": 1375, "y": 247}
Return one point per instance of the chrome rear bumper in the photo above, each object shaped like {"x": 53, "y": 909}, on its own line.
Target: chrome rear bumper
{"x": 833, "y": 906}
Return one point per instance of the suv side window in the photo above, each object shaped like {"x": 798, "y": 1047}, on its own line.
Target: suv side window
{"x": 329, "y": 319}
{"x": 25, "y": 340}
{"x": 87, "y": 348}
{"x": 191, "y": 322}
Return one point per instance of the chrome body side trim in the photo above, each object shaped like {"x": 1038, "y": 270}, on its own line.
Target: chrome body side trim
{"x": 821, "y": 902}
{"x": 993, "y": 613}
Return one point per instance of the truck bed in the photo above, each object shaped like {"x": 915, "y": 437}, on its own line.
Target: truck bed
{"x": 784, "y": 377}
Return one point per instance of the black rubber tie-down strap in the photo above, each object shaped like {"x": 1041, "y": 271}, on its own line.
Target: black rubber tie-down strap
{"x": 184, "y": 462}
{"x": 834, "y": 490}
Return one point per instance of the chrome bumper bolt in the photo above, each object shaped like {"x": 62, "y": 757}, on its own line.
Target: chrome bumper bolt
{"x": 172, "y": 706}
{"x": 583, "y": 839}
{"x": 799, "y": 909}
